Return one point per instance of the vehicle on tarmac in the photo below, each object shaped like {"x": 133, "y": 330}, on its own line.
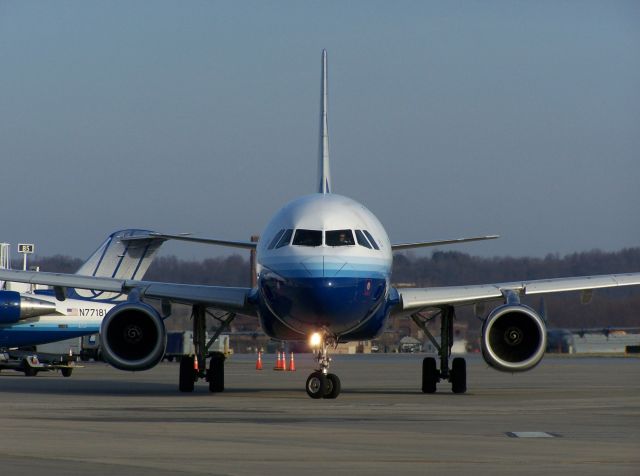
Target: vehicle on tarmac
{"x": 30, "y": 364}
{"x": 180, "y": 344}
{"x": 323, "y": 274}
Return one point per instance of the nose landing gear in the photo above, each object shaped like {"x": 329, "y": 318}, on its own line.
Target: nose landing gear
{"x": 321, "y": 383}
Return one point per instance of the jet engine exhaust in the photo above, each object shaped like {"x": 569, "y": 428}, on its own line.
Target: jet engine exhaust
{"x": 15, "y": 307}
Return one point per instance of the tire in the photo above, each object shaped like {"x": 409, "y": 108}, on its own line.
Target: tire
{"x": 316, "y": 385}
{"x": 333, "y": 386}
{"x": 30, "y": 372}
{"x": 459, "y": 375}
{"x": 215, "y": 373}
{"x": 430, "y": 375}
{"x": 187, "y": 377}
{"x": 66, "y": 372}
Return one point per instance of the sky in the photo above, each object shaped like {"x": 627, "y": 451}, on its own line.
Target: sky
{"x": 446, "y": 119}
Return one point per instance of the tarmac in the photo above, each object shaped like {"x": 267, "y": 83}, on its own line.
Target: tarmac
{"x": 567, "y": 416}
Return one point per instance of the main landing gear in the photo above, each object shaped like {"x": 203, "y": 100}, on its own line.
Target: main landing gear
{"x": 322, "y": 384}
{"x": 457, "y": 374}
{"x": 193, "y": 367}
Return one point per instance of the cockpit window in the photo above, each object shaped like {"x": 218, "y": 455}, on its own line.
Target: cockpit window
{"x": 308, "y": 237}
{"x": 339, "y": 238}
{"x": 285, "y": 239}
{"x": 275, "y": 239}
{"x": 362, "y": 240}
{"x": 371, "y": 240}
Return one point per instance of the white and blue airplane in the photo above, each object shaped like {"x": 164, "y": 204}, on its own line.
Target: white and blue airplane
{"x": 323, "y": 274}
{"x": 33, "y": 317}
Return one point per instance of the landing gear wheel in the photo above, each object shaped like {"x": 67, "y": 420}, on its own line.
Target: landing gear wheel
{"x": 333, "y": 386}
{"x": 458, "y": 375}
{"x": 215, "y": 373}
{"x": 430, "y": 375}
{"x": 66, "y": 372}
{"x": 316, "y": 385}
{"x": 28, "y": 370}
{"x": 187, "y": 378}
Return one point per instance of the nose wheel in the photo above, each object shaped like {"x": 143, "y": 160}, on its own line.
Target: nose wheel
{"x": 321, "y": 383}
{"x": 316, "y": 385}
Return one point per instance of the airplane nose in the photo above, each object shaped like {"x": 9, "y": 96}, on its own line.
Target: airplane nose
{"x": 324, "y": 267}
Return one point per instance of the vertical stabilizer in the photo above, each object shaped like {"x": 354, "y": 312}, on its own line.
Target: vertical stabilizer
{"x": 125, "y": 254}
{"x": 324, "y": 173}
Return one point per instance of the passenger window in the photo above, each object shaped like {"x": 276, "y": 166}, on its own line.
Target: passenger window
{"x": 362, "y": 241}
{"x": 371, "y": 240}
{"x": 286, "y": 238}
{"x": 275, "y": 239}
{"x": 339, "y": 238}
{"x": 308, "y": 237}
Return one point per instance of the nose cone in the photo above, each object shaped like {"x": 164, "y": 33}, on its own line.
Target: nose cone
{"x": 333, "y": 302}
{"x": 325, "y": 267}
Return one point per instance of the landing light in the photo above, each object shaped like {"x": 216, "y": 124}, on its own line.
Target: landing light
{"x": 315, "y": 340}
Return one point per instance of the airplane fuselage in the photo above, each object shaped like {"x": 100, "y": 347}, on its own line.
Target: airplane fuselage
{"x": 73, "y": 318}
{"x": 324, "y": 265}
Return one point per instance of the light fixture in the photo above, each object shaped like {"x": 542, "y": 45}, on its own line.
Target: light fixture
{"x": 315, "y": 340}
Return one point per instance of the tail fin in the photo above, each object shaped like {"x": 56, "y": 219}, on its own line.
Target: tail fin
{"x": 125, "y": 254}
{"x": 323, "y": 162}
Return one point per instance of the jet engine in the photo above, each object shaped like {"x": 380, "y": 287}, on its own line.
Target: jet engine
{"x": 514, "y": 338}
{"x": 14, "y": 307}
{"x": 133, "y": 336}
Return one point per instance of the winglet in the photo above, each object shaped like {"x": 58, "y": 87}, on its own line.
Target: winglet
{"x": 323, "y": 160}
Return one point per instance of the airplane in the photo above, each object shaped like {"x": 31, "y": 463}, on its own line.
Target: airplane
{"x": 323, "y": 274}
{"x": 33, "y": 317}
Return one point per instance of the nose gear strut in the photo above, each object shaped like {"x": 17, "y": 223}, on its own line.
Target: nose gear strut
{"x": 321, "y": 383}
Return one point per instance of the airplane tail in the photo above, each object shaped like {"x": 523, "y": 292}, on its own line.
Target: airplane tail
{"x": 323, "y": 161}
{"x": 125, "y": 254}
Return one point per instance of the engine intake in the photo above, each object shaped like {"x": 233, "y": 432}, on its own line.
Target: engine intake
{"x": 133, "y": 336}
{"x": 514, "y": 338}
{"x": 15, "y": 306}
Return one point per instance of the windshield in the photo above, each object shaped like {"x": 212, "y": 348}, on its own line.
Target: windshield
{"x": 308, "y": 237}
{"x": 339, "y": 238}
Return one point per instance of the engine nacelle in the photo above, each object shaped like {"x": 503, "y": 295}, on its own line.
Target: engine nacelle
{"x": 514, "y": 338}
{"x": 14, "y": 307}
{"x": 133, "y": 336}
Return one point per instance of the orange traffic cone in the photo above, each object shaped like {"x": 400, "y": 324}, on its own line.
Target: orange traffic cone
{"x": 278, "y": 362}
{"x": 259, "y": 362}
{"x": 284, "y": 361}
{"x": 292, "y": 364}
{"x": 195, "y": 363}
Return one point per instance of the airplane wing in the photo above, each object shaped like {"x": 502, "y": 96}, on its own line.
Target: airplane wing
{"x": 248, "y": 245}
{"x": 422, "y": 244}
{"x": 420, "y": 298}
{"x": 236, "y": 299}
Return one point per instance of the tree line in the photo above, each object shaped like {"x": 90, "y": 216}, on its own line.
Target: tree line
{"x": 614, "y": 307}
